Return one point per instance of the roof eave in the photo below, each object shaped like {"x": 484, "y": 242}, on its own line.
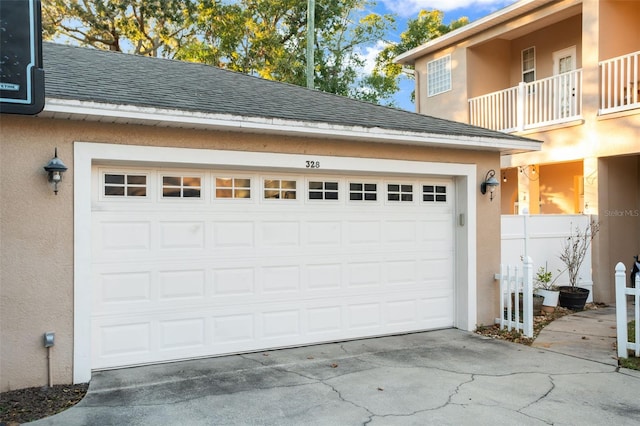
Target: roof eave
{"x": 130, "y": 114}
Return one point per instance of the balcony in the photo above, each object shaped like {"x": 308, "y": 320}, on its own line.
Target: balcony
{"x": 549, "y": 101}
{"x": 619, "y": 84}
{"x": 558, "y": 99}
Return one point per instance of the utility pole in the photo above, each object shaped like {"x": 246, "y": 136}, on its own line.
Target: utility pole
{"x": 311, "y": 29}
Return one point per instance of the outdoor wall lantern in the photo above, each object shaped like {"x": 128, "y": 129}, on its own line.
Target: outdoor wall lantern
{"x": 490, "y": 183}
{"x": 55, "y": 168}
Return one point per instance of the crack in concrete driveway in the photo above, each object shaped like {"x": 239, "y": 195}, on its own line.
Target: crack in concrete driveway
{"x": 440, "y": 377}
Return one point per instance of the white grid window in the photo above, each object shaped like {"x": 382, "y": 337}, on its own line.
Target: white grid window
{"x": 399, "y": 192}
{"x": 233, "y": 187}
{"x": 439, "y": 76}
{"x": 529, "y": 65}
{"x": 319, "y": 190}
{"x": 181, "y": 187}
{"x": 280, "y": 189}
{"x": 363, "y": 191}
{"x": 125, "y": 185}
{"x": 434, "y": 193}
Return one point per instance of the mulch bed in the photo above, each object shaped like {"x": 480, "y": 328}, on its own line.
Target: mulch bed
{"x": 26, "y": 405}
{"x": 539, "y": 322}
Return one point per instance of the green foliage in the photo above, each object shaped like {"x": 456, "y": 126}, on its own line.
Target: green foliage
{"x": 543, "y": 278}
{"x": 144, "y": 27}
{"x": 259, "y": 37}
{"x": 427, "y": 26}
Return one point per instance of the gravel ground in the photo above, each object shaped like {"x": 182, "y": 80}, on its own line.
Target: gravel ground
{"x": 26, "y": 405}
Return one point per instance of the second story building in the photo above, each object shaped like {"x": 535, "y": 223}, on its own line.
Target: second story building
{"x": 566, "y": 72}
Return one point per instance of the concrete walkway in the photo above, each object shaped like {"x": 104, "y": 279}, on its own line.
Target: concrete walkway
{"x": 589, "y": 335}
{"x": 446, "y": 377}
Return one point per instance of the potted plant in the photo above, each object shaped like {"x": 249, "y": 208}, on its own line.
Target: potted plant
{"x": 546, "y": 288}
{"x": 573, "y": 254}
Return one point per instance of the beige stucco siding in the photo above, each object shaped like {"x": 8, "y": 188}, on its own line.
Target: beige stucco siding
{"x": 603, "y": 137}
{"x": 446, "y": 104}
{"x": 616, "y": 14}
{"x": 36, "y": 226}
{"x": 488, "y": 66}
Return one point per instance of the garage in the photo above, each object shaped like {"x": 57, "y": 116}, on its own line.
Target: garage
{"x": 191, "y": 262}
{"x": 203, "y": 212}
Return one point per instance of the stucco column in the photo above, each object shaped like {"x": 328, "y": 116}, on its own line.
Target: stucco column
{"x": 590, "y": 58}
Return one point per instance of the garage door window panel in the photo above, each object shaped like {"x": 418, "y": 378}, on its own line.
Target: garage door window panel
{"x": 360, "y": 191}
{"x": 280, "y": 189}
{"x": 434, "y": 193}
{"x": 399, "y": 192}
{"x": 181, "y": 186}
{"x": 233, "y": 187}
{"x": 124, "y": 185}
{"x": 323, "y": 190}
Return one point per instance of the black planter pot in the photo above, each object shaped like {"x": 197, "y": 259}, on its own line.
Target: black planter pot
{"x": 573, "y": 298}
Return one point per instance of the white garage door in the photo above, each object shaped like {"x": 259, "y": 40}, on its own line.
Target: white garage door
{"x": 190, "y": 263}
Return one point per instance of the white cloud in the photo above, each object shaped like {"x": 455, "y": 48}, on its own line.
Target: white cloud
{"x": 409, "y": 8}
{"x": 369, "y": 54}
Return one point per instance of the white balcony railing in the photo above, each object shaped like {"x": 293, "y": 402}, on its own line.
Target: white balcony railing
{"x": 620, "y": 83}
{"x": 552, "y": 100}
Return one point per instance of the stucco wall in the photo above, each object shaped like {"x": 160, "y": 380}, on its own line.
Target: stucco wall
{"x": 550, "y": 39}
{"x": 509, "y": 190}
{"x": 559, "y": 187}
{"x": 453, "y": 103}
{"x": 619, "y": 216}
{"x": 487, "y": 67}
{"x": 596, "y": 137}
{"x": 621, "y": 14}
{"x": 36, "y": 226}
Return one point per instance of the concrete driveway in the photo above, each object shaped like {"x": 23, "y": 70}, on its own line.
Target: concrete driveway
{"x": 447, "y": 377}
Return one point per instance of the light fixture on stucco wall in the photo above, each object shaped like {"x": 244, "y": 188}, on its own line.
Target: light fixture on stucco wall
{"x": 55, "y": 168}
{"x": 490, "y": 183}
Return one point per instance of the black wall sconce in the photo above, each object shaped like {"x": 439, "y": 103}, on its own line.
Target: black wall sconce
{"x": 490, "y": 183}
{"x": 55, "y": 168}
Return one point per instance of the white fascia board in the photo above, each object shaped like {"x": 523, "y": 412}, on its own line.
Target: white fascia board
{"x": 227, "y": 122}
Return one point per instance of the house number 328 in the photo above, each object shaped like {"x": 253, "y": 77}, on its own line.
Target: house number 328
{"x": 313, "y": 164}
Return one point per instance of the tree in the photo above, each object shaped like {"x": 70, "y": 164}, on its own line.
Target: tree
{"x": 258, "y": 37}
{"x": 268, "y": 38}
{"x": 427, "y": 26}
{"x": 143, "y": 27}
{"x": 338, "y": 50}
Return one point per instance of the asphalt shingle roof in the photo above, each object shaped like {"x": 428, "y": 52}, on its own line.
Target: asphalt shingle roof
{"x": 88, "y": 74}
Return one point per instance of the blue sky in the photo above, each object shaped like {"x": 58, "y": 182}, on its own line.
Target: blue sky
{"x": 453, "y": 9}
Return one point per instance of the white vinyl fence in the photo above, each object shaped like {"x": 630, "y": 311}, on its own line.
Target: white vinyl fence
{"x": 541, "y": 237}
{"x": 624, "y": 346}
{"x": 516, "y": 282}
